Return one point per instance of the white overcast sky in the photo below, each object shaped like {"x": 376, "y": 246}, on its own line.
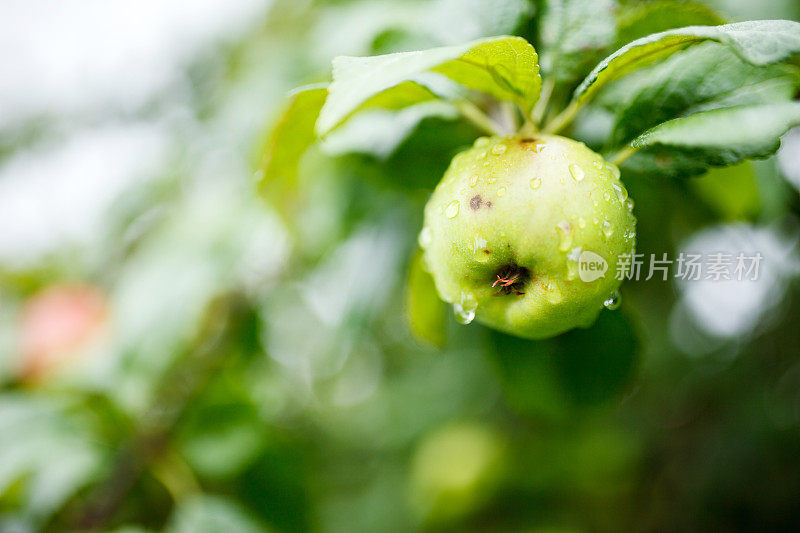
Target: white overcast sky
{"x": 72, "y": 59}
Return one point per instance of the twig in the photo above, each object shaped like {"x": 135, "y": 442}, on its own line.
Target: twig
{"x": 157, "y": 425}
{"x": 176, "y": 476}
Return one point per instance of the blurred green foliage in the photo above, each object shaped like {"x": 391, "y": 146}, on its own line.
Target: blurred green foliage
{"x": 285, "y": 365}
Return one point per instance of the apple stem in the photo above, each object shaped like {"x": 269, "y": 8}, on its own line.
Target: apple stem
{"x": 528, "y": 129}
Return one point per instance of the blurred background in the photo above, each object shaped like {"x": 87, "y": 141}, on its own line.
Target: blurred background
{"x": 179, "y": 354}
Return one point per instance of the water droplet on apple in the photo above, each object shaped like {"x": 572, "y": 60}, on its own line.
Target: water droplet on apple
{"x": 499, "y": 149}
{"x": 613, "y": 302}
{"x": 552, "y": 293}
{"x": 577, "y": 172}
{"x": 464, "y": 310}
{"x": 501, "y": 191}
{"x": 629, "y": 204}
{"x": 565, "y": 235}
{"x": 536, "y": 183}
{"x": 608, "y": 229}
{"x": 479, "y": 245}
{"x": 473, "y": 180}
{"x": 463, "y": 316}
{"x": 452, "y": 209}
{"x": 614, "y": 170}
{"x": 581, "y": 222}
{"x": 620, "y": 191}
{"x": 573, "y": 257}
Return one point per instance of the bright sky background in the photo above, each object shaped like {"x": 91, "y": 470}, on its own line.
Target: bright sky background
{"x": 90, "y": 66}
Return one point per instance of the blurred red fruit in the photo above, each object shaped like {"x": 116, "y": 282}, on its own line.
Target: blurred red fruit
{"x": 58, "y": 324}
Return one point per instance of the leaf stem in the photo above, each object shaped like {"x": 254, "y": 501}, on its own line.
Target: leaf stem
{"x": 562, "y": 119}
{"x": 480, "y": 119}
{"x": 508, "y": 113}
{"x": 623, "y": 155}
{"x": 544, "y": 100}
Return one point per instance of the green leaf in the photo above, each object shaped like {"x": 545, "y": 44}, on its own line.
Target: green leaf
{"x": 457, "y": 21}
{"x": 666, "y": 162}
{"x": 748, "y": 9}
{"x": 759, "y": 42}
{"x": 731, "y": 193}
{"x": 419, "y": 161}
{"x": 223, "y": 449}
{"x": 573, "y": 32}
{"x": 379, "y": 132}
{"x": 644, "y": 18}
{"x": 426, "y": 314}
{"x": 598, "y": 362}
{"x": 405, "y": 94}
{"x": 726, "y": 136}
{"x": 289, "y": 139}
{"x": 53, "y": 453}
{"x": 366, "y": 28}
{"x": 504, "y": 67}
{"x": 211, "y": 514}
{"x": 705, "y": 77}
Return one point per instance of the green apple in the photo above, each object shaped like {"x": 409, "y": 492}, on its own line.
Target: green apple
{"x": 528, "y": 235}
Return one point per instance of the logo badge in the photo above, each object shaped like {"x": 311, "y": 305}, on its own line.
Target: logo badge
{"x": 591, "y": 266}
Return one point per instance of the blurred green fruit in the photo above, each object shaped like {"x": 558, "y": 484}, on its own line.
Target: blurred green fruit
{"x": 525, "y": 234}
{"x": 454, "y": 470}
